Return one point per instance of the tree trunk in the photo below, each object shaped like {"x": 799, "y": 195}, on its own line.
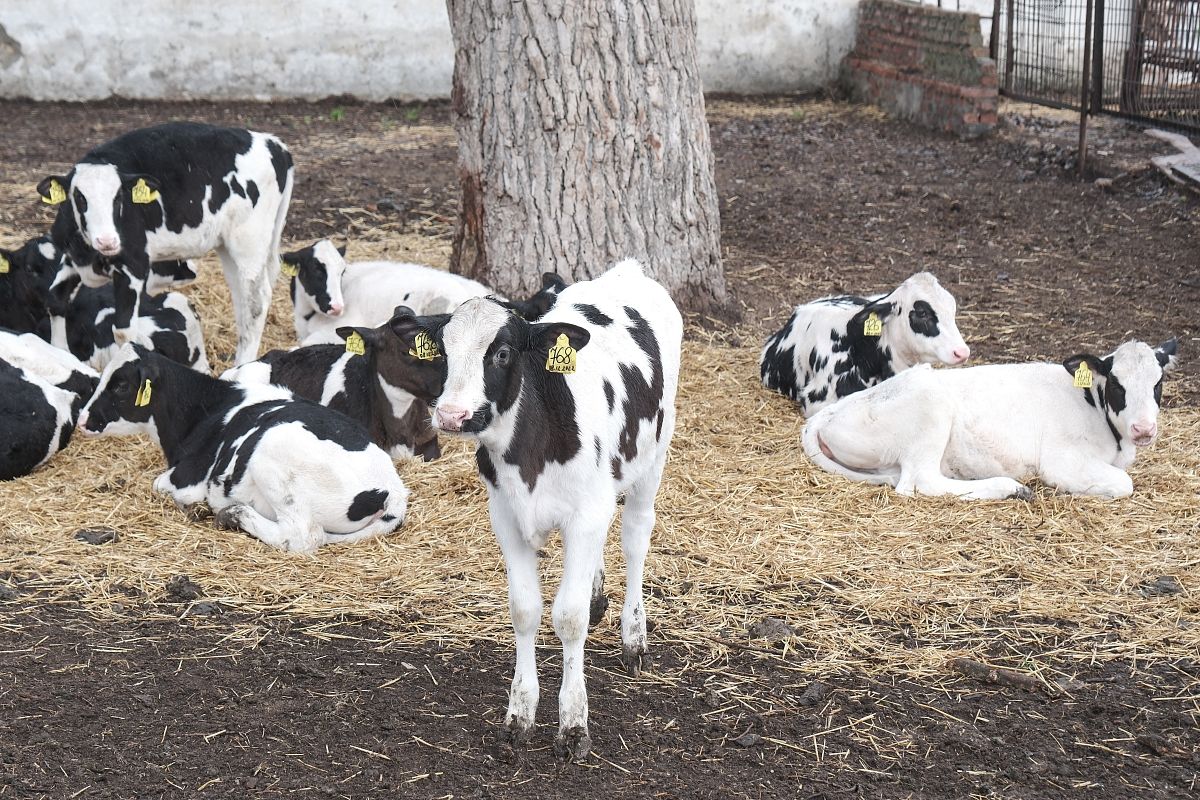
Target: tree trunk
{"x": 583, "y": 141}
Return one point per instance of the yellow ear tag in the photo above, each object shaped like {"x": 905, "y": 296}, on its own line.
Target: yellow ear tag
{"x": 561, "y": 358}
{"x": 1083, "y": 376}
{"x": 141, "y": 193}
{"x": 291, "y": 270}
{"x": 424, "y": 347}
{"x": 4, "y": 266}
{"x": 143, "y": 394}
{"x": 355, "y": 344}
{"x": 873, "y": 326}
{"x": 57, "y": 194}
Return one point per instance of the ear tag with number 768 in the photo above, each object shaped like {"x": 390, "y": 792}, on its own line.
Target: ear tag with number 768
{"x": 561, "y": 358}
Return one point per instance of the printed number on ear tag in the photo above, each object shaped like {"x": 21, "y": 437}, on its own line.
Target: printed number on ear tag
{"x": 142, "y": 193}
{"x": 1083, "y": 376}
{"x": 873, "y": 326}
{"x": 143, "y": 394}
{"x": 424, "y": 347}
{"x": 290, "y": 270}
{"x": 355, "y": 344}
{"x": 57, "y": 194}
{"x": 4, "y": 267}
{"x": 561, "y": 358}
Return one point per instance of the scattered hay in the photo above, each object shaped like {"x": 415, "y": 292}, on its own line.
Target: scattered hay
{"x": 747, "y": 530}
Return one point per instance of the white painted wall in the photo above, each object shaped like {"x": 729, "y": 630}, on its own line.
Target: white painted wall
{"x": 371, "y": 49}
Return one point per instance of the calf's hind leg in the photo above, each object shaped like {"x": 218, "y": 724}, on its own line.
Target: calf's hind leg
{"x": 248, "y": 272}
{"x": 294, "y": 532}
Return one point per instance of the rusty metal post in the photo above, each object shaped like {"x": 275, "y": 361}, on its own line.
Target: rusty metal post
{"x": 1086, "y": 87}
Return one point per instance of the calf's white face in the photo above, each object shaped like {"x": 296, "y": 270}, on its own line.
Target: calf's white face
{"x": 95, "y": 193}
{"x": 927, "y": 332}
{"x": 318, "y": 281}
{"x": 113, "y": 409}
{"x": 1129, "y": 381}
{"x": 470, "y": 337}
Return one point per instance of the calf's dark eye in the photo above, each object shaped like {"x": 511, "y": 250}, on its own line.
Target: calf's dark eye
{"x": 502, "y": 356}
{"x": 80, "y": 201}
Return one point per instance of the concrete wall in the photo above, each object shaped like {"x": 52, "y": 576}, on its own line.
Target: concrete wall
{"x": 371, "y": 49}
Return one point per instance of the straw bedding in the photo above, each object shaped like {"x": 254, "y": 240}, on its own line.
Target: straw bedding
{"x": 747, "y": 530}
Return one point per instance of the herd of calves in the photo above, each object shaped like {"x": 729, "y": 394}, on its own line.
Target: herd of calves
{"x": 569, "y": 394}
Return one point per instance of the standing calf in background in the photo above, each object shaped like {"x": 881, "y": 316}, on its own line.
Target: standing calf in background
{"x": 569, "y": 413}
{"x": 177, "y": 191}
{"x": 386, "y": 387}
{"x": 291, "y": 473}
{"x": 329, "y": 293}
{"x": 976, "y": 432}
{"x": 833, "y": 347}
{"x": 41, "y": 391}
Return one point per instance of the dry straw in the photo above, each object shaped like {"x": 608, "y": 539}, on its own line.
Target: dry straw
{"x": 747, "y": 530}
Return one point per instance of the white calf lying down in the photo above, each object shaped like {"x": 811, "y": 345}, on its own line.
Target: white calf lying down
{"x": 41, "y": 390}
{"x": 288, "y": 471}
{"x": 835, "y": 346}
{"x": 569, "y": 413}
{"x": 329, "y": 293}
{"x": 975, "y": 432}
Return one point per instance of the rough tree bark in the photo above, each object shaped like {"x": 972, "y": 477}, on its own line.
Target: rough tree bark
{"x": 582, "y": 141}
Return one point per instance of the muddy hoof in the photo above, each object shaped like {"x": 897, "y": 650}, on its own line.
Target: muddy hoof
{"x": 596, "y": 612}
{"x": 573, "y": 744}
{"x": 636, "y": 660}
{"x": 516, "y": 733}
{"x": 197, "y": 512}
{"x": 1024, "y": 493}
{"x": 228, "y": 518}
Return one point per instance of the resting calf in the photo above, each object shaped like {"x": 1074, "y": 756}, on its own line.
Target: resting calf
{"x": 386, "y": 387}
{"x": 976, "y": 432}
{"x": 292, "y": 473}
{"x": 835, "y": 346}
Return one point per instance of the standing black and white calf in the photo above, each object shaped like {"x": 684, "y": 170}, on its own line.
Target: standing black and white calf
{"x": 569, "y": 412}
{"x": 292, "y": 473}
{"x": 41, "y": 391}
{"x": 835, "y": 346}
{"x": 328, "y": 292}
{"x": 178, "y": 191}
{"x": 976, "y": 432}
{"x": 377, "y": 379}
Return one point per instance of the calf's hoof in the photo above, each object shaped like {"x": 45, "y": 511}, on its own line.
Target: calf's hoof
{"x": 516, "y": 733}
{"x": 635, "y": 660}
{"x": 597, "y": 609}
{"x": 229, "y": 518}
{"x": 573, "y": 744}
{"x": 1022, "y": 493}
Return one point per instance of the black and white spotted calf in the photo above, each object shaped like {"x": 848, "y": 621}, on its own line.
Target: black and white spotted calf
{"x": 41, "y": 391}
{"x": 386, "y": 387}
{"x": 569, "y": 412}
{"x": 39, "y": 295}
{"x": 290, "y": 472}
{"x": 328, "y": 292}
{"x": 835, "y": 346}
{"x": 178, "y": 191}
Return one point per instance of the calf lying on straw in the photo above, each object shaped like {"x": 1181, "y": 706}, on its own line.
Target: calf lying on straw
{"x": 288, "y": 471}
{"x": 974, "y": 432}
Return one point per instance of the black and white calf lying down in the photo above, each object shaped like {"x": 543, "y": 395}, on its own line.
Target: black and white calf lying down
{"x": 328, "y": 292}
{"x": 41, "y": 391}
{"x": 977, "y": 432}
{"x": 568, "y": 412}
{"x": 378, "y": 379}
{"x": 178, "y": 191}
{"x": 292, "y": 473}
{"x": 835, "y": 346}
{"x": 38, "y": 294}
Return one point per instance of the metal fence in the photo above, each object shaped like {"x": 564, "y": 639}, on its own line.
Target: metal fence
{"x": 1143, "y": 61}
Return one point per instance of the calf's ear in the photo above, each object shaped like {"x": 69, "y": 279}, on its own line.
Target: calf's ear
{"x": 369, "y": 336}
{"x": 544, "y": 335}
{"x": 341, "y": 250}
{"x": 552, "y": 280}
{"x": 1165, "y": 353}
{"x": 1096, "y": 365}
{"x": 53, "y": 189}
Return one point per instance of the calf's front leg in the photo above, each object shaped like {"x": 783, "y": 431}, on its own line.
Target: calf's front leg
{"x": 525, "y": 608}
{"x": 1081, "y": 475}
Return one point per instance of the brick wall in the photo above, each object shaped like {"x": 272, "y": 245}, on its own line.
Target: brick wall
{"x": 923, "y": 64}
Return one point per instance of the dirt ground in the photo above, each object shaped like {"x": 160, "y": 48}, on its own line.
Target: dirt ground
{"x": 172, "y": 695}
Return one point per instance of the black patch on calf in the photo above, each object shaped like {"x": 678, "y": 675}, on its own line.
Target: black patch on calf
{"x": 658, "y": 427}
{"x": 594, "y": 315}
{"x": 281, "y": 160}
{"x": 1114, "y": 394}
{"x": 252, "y": 192}
{"x": 777, "y": 370}
{"x": 923, "y": 319}
{"x": 27, "y": 423}
{"x": 483, "y": 460}
{"x": 367, "y": 503}
{"x": 616, "y": 468}
{"x": 609, "y": 395}
{"x": 236, "y": 186}
{"x": 642, "y": 400}
{"x": 220, "y": 193}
